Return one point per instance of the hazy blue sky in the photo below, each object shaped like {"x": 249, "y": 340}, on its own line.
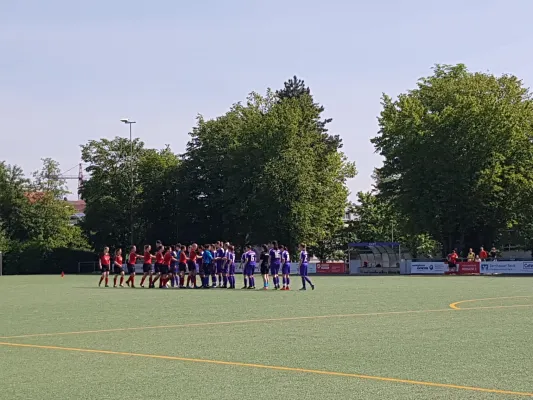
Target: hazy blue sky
{"x": 69, "y": 70}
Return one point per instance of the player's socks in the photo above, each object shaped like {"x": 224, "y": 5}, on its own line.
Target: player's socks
{"x": 122, "y": 280}
{"x": 225, "y": 280}
{"x": 245, "y": 282}
{"x": 252, "y": 281}
{"x": 288, "y": 282}
{"x": 115, "y": 280}
{"x": 101, "y": 280}
{"x": 106, "y": 280}
{"x": 214, "y": 280}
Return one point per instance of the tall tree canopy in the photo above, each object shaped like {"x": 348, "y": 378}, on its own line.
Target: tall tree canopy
{"x": 458, "y": 155}
{"x": 267, "y": 169}
{"x": 129, "y": 194}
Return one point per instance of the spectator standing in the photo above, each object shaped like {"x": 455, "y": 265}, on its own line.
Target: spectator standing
{"x": 493, "y": 253}
{"x": 452, "y": 261}
{"x": 471, "y": 255}
{"x": 483, "y": 254}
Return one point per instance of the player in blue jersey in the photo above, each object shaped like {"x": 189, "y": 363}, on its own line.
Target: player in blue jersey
{"x": 243, "y": 262}
{"x": 231, "y": 266}
{"x": 207, "y": 260}
{"x": 275, "y": 263}
{"x": 304, "y": 261}
{"x": 286, "y": 268}
{"x": 249, "y": 266}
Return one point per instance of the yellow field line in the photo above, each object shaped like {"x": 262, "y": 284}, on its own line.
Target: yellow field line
{"x": 454, "y": 305}
{"x": 250, "y": 321}
{"x": 273, "y": 367}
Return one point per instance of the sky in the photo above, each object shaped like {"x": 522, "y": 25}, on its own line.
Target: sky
{"x": 70, "y": 70}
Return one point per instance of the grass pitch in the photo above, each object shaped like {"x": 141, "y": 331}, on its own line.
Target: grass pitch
{"x": 352, "y": 338}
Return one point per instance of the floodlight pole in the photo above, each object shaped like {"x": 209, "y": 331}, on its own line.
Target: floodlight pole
{"x": 130, "y": 123}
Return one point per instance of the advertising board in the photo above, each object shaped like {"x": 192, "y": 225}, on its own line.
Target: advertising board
{"x": 468, "y": 267}
{"x": 506, "y": 267}
{"x": 331, "y": 268}
{"x": 432, "y": 268}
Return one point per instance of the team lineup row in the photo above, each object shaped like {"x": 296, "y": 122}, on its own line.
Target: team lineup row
{"x": 215, "y": 261}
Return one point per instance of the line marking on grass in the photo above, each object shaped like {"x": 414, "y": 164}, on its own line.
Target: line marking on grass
{"x": 273, "y": 367}
{"x": 251, "y": 321}
{"x": 454, "y": 306}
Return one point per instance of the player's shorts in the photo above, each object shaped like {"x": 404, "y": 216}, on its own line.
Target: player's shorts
{"x": 264, "y": 269}
{"x": 249, "y": 270}
{"x": 173, "y": 269}
{"x": 131, "y": 269}
{"x": 206, "y": 269}
{"x": 231, "y": 269}
{"x": 147, "y": 268}
{"x": 303, "y": 270}
{"x": 118, "y": 270}
{"x": 220, "y": 268}
{"x": 105, "y": 268}
{"x": 191, "y": 266}
{"x": 157, "y": 268}
{"x": 182, "y": 267}
{"x": 274, "y": 269}
{"x": 163, "y": 269}
{"x": 286, "y": 269}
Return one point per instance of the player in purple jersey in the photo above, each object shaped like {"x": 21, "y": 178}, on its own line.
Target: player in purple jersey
{"x": 243, "y": 262}
{"x": 286, "y": 268}
{"x": 249, "y": 266}
{"x": 231, "y": 267}
{"x": 275, "y": 263}
{"x": 304, "y": 261}
{"x": 220, "y": 258}
{"x": 225, "y": 265}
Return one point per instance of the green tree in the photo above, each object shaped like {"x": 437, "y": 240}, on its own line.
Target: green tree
{"x": 13, "y": 202}
{"x": 458, "y": 155}
{"x": 264, "y": 171}
{"x": 35, "y": 220}
{"x": 111, "y": 192}
{"x": 139, "y": 188}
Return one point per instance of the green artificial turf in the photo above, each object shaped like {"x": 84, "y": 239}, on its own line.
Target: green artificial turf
{"x": 490, "y": 346}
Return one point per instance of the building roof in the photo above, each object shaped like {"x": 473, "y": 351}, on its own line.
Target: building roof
{"x": 79, "y": 205}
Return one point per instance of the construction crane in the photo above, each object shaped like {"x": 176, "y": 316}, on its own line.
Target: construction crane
{"x": 78, "y": 177}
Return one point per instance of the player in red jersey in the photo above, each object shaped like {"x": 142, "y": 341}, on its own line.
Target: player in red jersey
{"x": 192, "y": 265}
{"x": 132, "y": 260}
{"x": 118, "y": 269}
{"x": 158, "y": 265}
{"x": 147, "y": 265}
{"x": 104, "y": 262}
{"x": 165, "y": 266}
{"x": 182, "y": 266}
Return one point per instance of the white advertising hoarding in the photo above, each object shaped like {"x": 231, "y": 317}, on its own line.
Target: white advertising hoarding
{"x": 506, "y": 267}
{"x": 433, "y": 268}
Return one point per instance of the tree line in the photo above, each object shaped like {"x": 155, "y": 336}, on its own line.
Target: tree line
{"x": 457, "y": 153}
